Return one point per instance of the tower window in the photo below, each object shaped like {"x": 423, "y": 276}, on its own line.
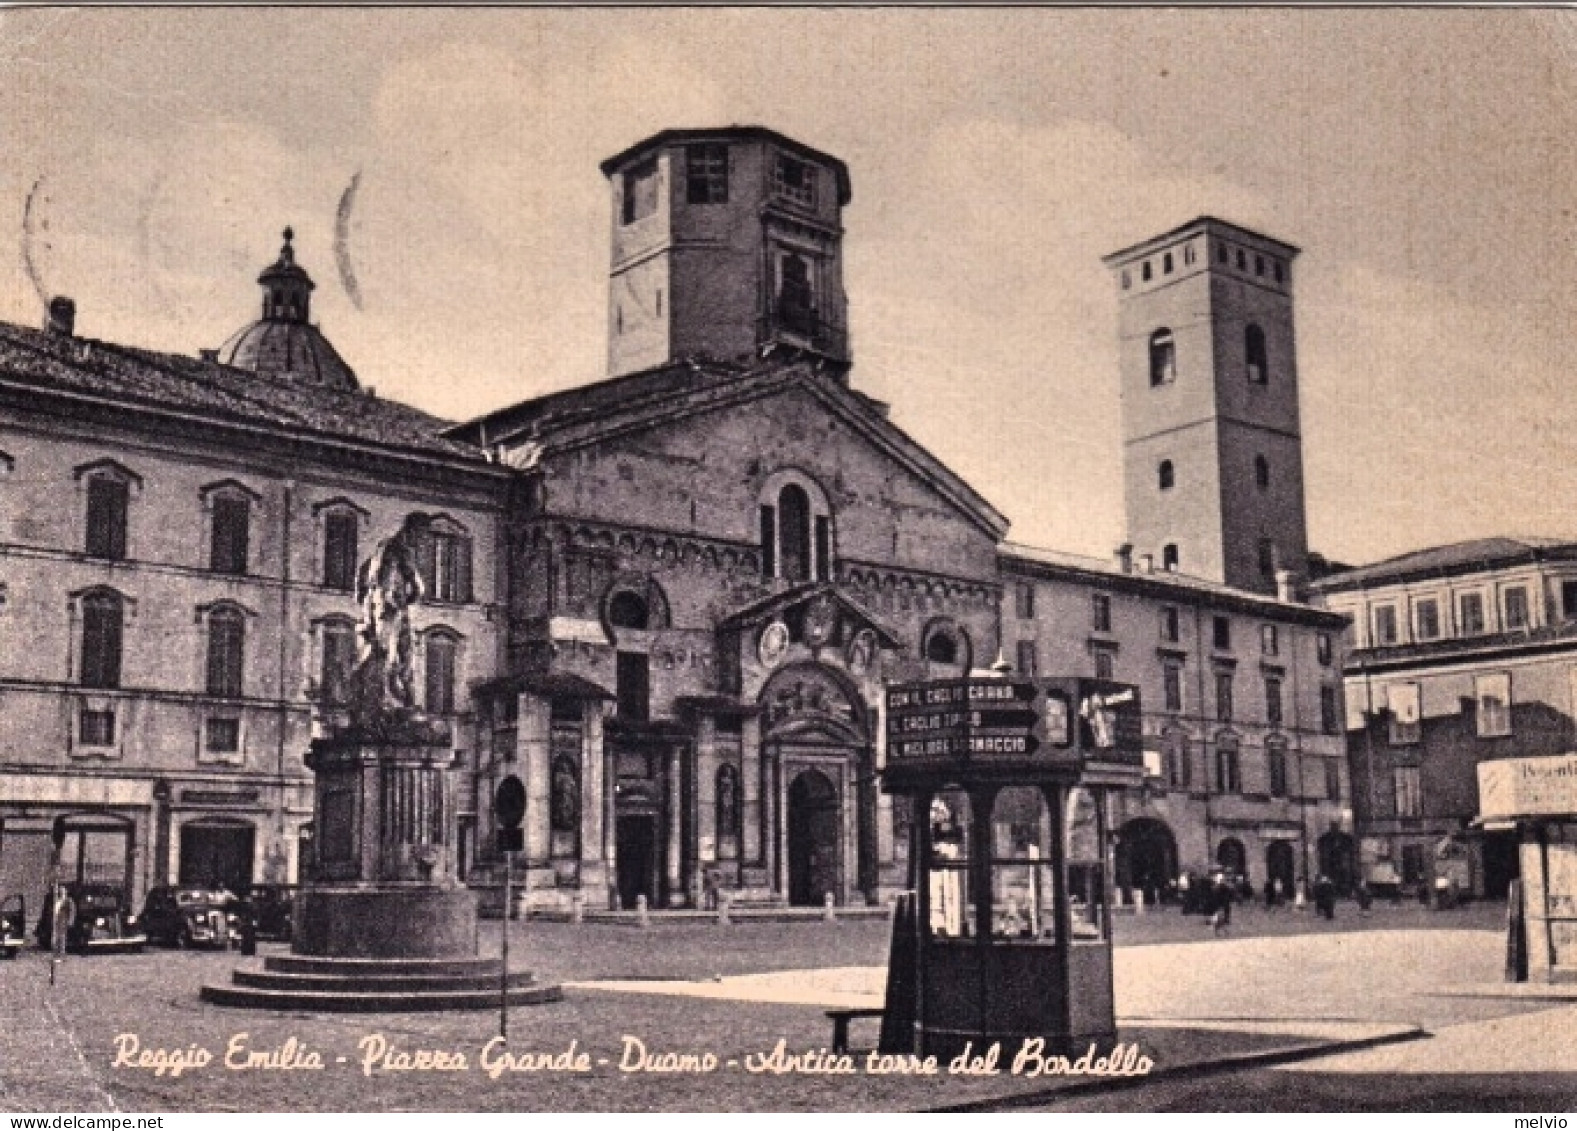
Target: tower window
{"x": 1242, "y": 260}
{"x": 1169, "y": 556}
{"x": 796, "y": 293}
{"x": 1259, "y": 265}
{"x": 1261, "y": 472}
{"x": 706, "y": 174}
{"x": 1275, "y": 268}
{"x": 1516, "y": 608}
{"x": 1164, "y": 475}
{"x": 1145, "y": 272}
{"x": 1166, "y": 264}
{"x": 1254, "y": 352}
{"x": 1221, "y": 252}
{"x": 1188, "y": 253}
{"x": 1163, "y": 358}
{"x": 795, "y": 180}
{"x": 640, "y": 192}
{"x": 1267, "y": 558}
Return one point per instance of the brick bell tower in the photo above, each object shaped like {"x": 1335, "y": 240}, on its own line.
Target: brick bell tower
{"x": 1212, "y": 450}
{"x": 725, "y": 242}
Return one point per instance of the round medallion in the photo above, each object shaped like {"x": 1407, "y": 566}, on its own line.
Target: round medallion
{"x": 773, "y": 644}
{"x": 861, "y": 651}
{"x": 821, "y": 617}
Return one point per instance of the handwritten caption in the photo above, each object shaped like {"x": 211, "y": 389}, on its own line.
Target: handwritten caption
{"x": 377, "y": 1054}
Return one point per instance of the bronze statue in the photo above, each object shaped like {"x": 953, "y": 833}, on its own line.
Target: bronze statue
{"x": 388, "y": 583}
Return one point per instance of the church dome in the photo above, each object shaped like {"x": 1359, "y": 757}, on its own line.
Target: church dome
{"x": 283, "y": 342}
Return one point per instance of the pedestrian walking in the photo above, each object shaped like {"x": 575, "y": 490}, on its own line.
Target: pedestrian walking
{"x": 1365, "y": 898}
{"x": 1221, "y": 906}
{"x": 1270, "y": 894}
{"x": 1325, "y": 896}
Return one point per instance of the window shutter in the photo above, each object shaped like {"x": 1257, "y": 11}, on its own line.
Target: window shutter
{"x": 462, "y": 570}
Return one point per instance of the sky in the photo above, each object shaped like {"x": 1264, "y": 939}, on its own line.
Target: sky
{"x": 1423, "y": 159}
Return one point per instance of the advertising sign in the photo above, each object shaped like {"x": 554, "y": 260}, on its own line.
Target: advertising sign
{"x": 1528, "y": 787}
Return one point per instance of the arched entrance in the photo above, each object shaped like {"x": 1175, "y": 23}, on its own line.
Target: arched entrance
{"x": 1338, "y": 859}
{"x": 216, "y": 852}
{"x": 1146, "y": 857}
{"x": 1280, "y": 865}
{"x": 813, "y": 823}
{"x": 1230, "y": 855}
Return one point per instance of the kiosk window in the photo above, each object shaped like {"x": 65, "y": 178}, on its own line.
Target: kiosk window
{"x": 1086, "y": 871}
{"x": 952, "y": 907}
{"x": 1023, "y": 894}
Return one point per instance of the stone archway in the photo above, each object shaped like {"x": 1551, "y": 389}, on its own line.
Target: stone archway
{"x": 1231, "y": 855}
{"x": 1146, "y": 857}
{"x": 1280, "y": 864}
{"x": 814, "y": 822}
{"x": 1339, "y": 859}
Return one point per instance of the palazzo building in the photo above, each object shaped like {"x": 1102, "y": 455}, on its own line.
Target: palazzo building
{"x": 667, "y": 601}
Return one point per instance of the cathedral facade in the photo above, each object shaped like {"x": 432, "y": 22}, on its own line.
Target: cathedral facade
{"x": 668, "y": 601}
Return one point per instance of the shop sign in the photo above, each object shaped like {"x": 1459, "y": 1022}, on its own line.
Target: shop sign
{"x": 1528, "y": 787}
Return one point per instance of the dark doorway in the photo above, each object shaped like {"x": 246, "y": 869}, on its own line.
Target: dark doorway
{"x": 1231, "y": 856}
{"x": 1280, "y": 865}
{"x": 813, "y": 840}
{"x": 1500, "y": 863}
{"x": 635, "y": 848}
{"x": 216, "y": 856}
{"x": 1339, "y": 860}
{"x": 1146, "y": 857}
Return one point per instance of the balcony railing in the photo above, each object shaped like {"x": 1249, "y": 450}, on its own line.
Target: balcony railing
{"x": 794, "y": 324}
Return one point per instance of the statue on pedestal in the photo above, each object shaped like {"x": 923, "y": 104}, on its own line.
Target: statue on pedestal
{"x": 388, "y": 583}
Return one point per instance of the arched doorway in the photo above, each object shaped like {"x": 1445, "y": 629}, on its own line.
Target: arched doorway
{"x": 1338, "y": 859}
{"x": 1146, "y": 857}
{"x": 1280, "y": 865}
{"x": 216, "y": 852}
{"x": 1231, "y": 856}
{"x": 813, "y": 821}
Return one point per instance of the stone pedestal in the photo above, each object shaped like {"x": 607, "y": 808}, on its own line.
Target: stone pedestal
{"x": 382, "y": 921}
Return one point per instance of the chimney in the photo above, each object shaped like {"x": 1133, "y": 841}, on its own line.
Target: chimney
{"x": 62, "y": 316}
{"x": 1124, "y": 556}
{"x": 1286, "y": 586}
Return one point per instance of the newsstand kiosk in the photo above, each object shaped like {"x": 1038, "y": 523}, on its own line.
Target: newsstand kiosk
{"x": 1007, "y": 935}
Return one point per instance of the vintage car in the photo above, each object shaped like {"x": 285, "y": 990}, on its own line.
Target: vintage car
{"x": 13, "y": 926}
{"x": 99, "y": 923}
{"x": 190, "y": 917}
{"x": 273, "y": 909}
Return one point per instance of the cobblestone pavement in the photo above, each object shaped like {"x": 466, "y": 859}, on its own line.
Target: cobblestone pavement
{"x": 42, "y": 1065}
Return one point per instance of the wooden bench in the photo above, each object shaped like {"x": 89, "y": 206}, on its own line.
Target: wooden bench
{"x": 840, "y": 1025}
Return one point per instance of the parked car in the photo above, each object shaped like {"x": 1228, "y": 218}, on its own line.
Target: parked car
{"x": 100, "y": 922}
{"x": 190, "y": 916}
{"x": 273, "y": 908}
{"x": 13, "y": 926}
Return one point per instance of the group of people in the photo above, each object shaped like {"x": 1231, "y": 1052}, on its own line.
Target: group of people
{"x": 1215, "y": 897}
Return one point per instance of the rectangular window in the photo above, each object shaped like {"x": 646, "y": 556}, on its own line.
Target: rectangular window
{"x": 339, "y": 656}
{"x": 1427, "y": 615}
{"x": 1170, "y": 628}
{"x": 96, "y": 728}
{"x": 1322, "y": 649}
{"x": 640, "y": 192}
{"x": 231, "y": 517}
{"x": 706, "y": 174}
{"x": 222, "y": 736}
{"x": 1024, "y": 601}
{"x": 1221, "y": 634}
{"x": 1228, "y": 773}
{"x": 1224, "y": 696}
{"x": 106, "y": 533}
{"x": 1269, "y": 640}
{"x": 226, "y": 644}
{"x": 823, "y": 550}
{"x": 1569, "y": 599}
{"x": 1333, "y": 779}
{"x": 1403, "y": 702}
{"x": 1028, "y": 661}
{"x": 1409, "y": 791}
{"x": 1101, "y": 611}
{"x": 1172, "y": 686}
{"x": 1470, "y": 614}
{"x": 340, "y": 532}
{"x": 1492, "y": 692}
{"x": 444, "y": 559}
{"x": 439, "y": 656}
{"x": 633, "y": 686}
{"x": 795, "y": 180}
{"x": 1516, "y": 608}
{"x": 101, "y": 642}
{"x": 1330, "y": 715}
{"x": 1267, "y": 558}
{"x": 1179, "y": 762}
{"x": 1384, "y": 625}
{"x": 1276, "y": 756}
{"x": 1105, "y": 663}
{"x": 1273, "y": 701}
